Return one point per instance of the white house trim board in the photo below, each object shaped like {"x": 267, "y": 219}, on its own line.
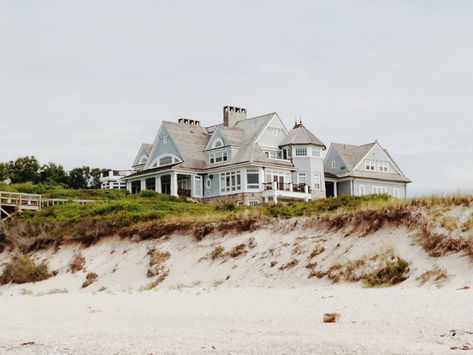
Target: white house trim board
{"x": 376, "y": 144}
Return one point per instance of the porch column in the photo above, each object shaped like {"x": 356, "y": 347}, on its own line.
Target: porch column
{"x": 275, "y": 191}
{"x": 192, "y": 187}
{"x": 306, "y": 190}
{"x": 174, "y": 184}
{"x": 143, "y": 184}
{"x": 158, "y": 184}
{"x": 128, "y": 186}
{"x": 335, "y": 189}
{"x": 291, "y": 187}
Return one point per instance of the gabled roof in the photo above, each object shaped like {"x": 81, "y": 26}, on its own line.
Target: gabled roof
{"x": 253, "y": 127}
{"x": 301, "y": 135}
{"x": 352, "y": 154}
{"x": 190, "y": 141}
{"x": 148, "y": 147}
{"x": 233, "y": 136}
{"x": 144, "y": 149}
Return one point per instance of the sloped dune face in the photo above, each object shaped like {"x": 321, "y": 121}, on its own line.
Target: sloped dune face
{"x": 290, "y": 253}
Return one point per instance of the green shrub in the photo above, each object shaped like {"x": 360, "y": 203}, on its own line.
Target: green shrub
{"x": 22, "y": 270}
{"x": 394, "y": 272}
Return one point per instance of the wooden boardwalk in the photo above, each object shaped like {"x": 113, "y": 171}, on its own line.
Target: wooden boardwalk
{"x": 11, "y": 202}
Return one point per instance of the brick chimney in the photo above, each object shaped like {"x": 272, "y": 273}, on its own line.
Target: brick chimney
{"x": 232, "y": 115}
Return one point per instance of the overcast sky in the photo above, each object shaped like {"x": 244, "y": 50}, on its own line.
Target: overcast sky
{"x": 86, "y": 82}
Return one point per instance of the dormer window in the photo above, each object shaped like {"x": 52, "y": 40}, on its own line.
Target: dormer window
{"x": 219, "y": 157}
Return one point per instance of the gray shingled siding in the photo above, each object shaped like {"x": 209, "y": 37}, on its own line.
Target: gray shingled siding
{"x": 390, "y": 186}
{"x": 333, "y": 156}
{"x": 164, "y": 148}
{"x": 268, "y": 139}
{"x": 377, "y": 154}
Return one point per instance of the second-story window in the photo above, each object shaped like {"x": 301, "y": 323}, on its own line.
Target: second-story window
{"x": 273, "y": 154}
{"x": 165, "y": 160}
{"x": 219, "y": 157}
{"x": 383, "y": 166}
{"x": 301, "y": 179}
{"x": 301, "y": 152}
{"x": 370, "y": 165}
{"x": 252, "y": 177}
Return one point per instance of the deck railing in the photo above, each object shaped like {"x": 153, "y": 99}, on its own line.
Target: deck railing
{"x": 16, "y": 199}
{"x": 287, "y": 187}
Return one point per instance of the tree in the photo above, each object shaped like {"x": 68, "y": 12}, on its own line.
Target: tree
{"x": 24, "y": 169}
{"x": 79, "y": 177}
{"x": 4, "y": 171}
{"x": 53, "y": 173}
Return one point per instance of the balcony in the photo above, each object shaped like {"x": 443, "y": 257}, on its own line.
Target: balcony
{"x": 286, "y": 191}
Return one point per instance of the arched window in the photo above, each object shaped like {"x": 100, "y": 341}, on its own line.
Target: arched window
{"x": 218, "y": 143}
{"x": 165, "y": 160}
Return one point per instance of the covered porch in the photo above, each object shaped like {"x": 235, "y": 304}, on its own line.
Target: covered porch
{"x": 170, "y": 183}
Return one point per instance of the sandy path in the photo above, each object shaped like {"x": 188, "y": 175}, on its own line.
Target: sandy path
{"x": 232, "y": 320}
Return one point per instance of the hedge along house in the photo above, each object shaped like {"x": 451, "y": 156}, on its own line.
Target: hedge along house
{"x": 362, "y": 170}
{"x": 247, "y": 160}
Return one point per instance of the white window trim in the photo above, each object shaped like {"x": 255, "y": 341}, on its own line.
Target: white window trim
{"x": 397, "y": 192}
{"x": 379, "y": 189}
{"x": 299, "y": 175}
{"x": 301, "y": 150}
{"x": 317, "y": 181}
{"x": 362, "y": 190}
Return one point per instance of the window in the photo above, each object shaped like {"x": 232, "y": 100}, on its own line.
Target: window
{"x": 252, "y": 177}
{"x": 218, "y": 143}
{"x": 208, "y": 183}
{"x": 301, "y": 152}
{"x": 317, "y": 182}
{"x": 362, "y": 190}
{"x": 230, "y": 181}
{"x": 301, "y": 179}
{"x": 273, "y": 154}
{"x": 378, "y": 190}
{"x": 370, "y": 165}
{"x": 396, "y": 192}
{"x": 219, "y": 157}
{"x": 164, "y": 139}
{"x": 383, "y": 166}
{"x": 253, "y": 203}
{"x": 165, "y": 160}
{"x": 333, "y": 164}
